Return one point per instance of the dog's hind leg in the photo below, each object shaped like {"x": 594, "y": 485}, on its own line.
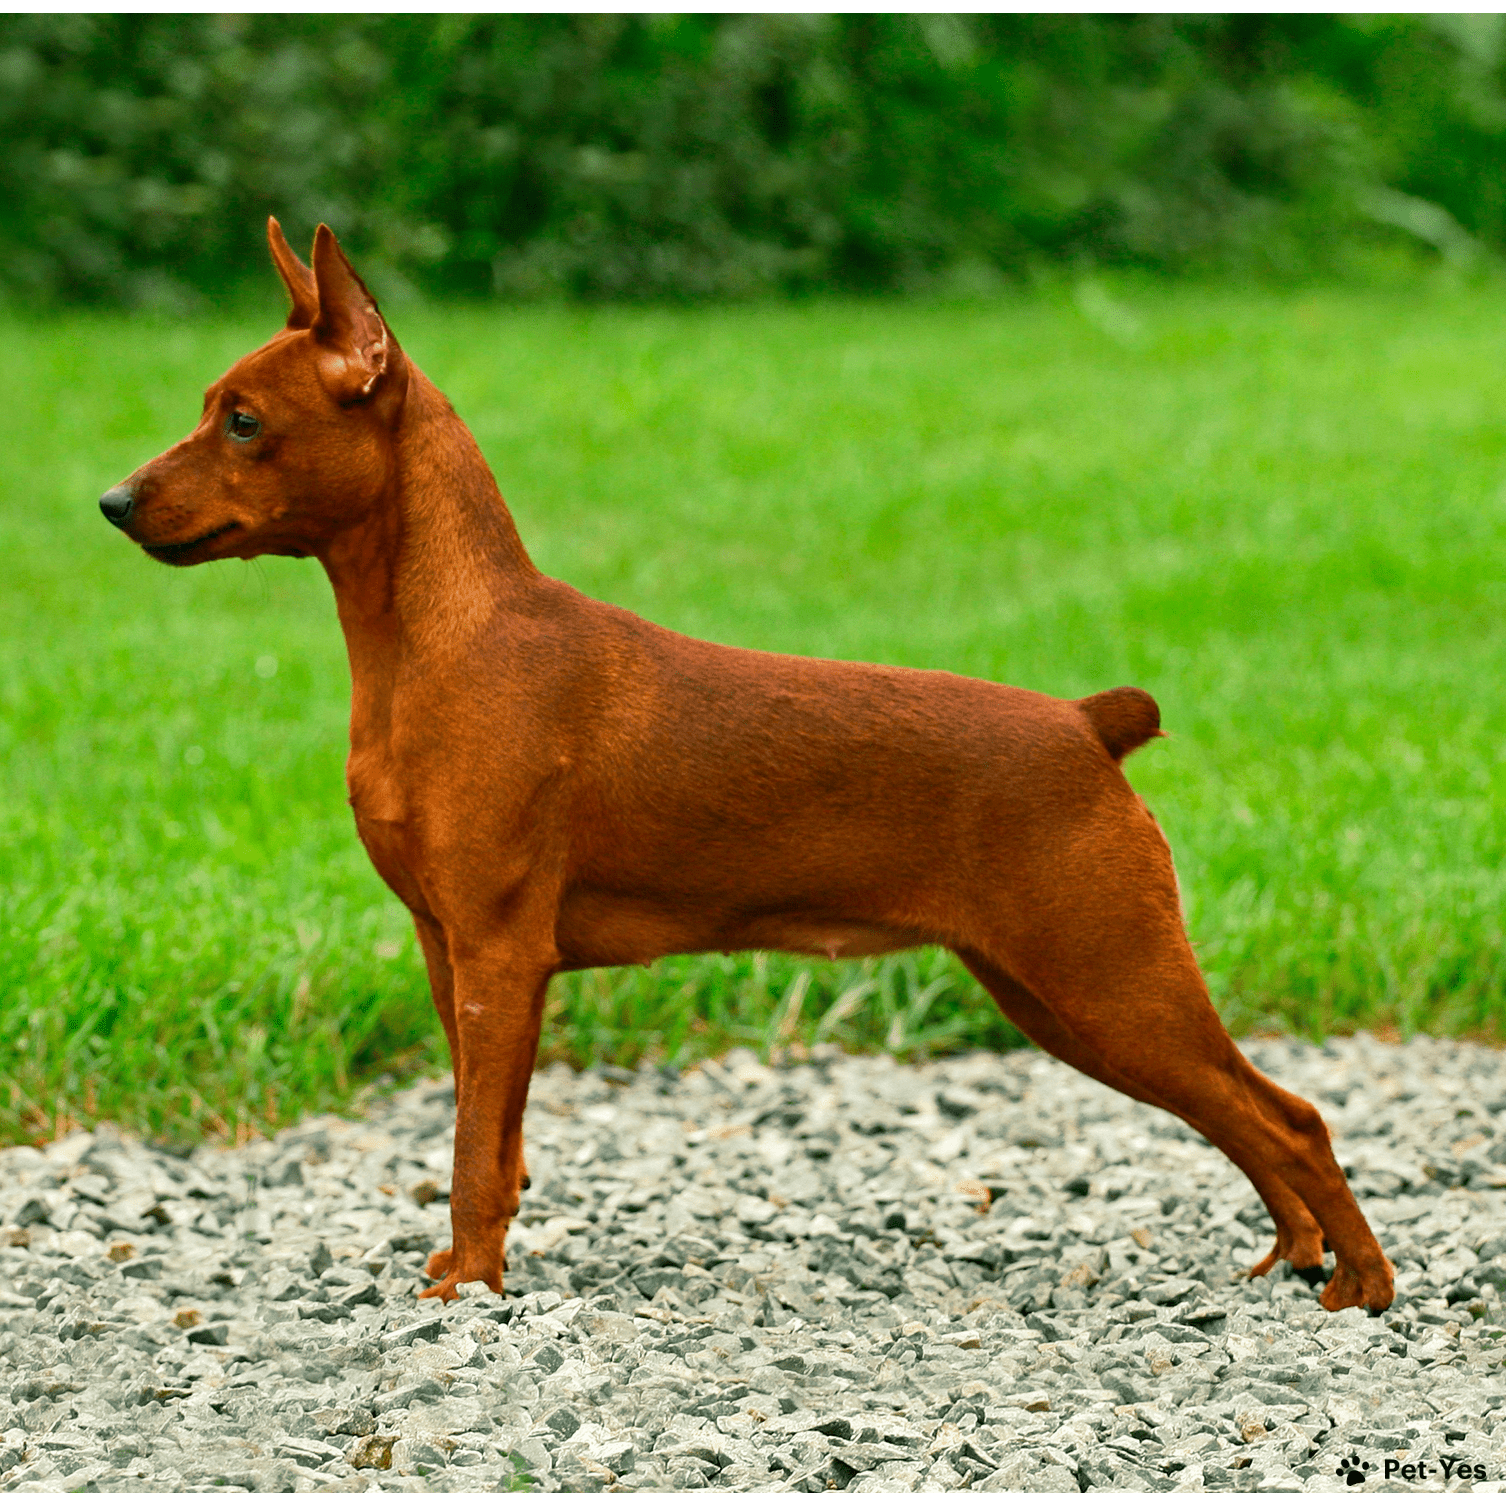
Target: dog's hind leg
{"x": 1123, "y": 984}
{"x": 1093, "y": 931}
{"x": 1299, "y": 1239}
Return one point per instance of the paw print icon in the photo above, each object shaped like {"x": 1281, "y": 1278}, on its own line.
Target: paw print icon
{"x": 1352, "y": 1471}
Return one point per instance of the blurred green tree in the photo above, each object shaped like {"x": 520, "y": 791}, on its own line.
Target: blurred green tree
{"x": 599, "y": 156}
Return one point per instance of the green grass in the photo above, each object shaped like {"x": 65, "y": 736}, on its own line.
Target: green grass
{"x": 1281, "y": 513}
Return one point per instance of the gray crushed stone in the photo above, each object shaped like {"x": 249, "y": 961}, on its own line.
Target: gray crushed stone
{"x": 985, "y": 1273}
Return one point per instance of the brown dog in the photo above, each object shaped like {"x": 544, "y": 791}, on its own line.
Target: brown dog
{"x": 550, "y": 783}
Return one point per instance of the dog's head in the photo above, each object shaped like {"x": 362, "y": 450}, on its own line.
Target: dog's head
{"x": 296, "y": 439}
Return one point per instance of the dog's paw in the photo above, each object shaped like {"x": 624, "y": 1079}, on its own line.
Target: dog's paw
{"x": 1374, "y": 1291}
{"x": 438, "y": 1264}
{"x": 1303, "y": 1251}
{"x": 448, "y": 1289}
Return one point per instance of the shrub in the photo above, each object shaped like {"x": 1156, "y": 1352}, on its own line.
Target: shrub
{"x": 601, "y": 156}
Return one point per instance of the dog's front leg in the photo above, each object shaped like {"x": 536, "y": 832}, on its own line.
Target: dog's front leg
{"x": 499, "y": 1005}
{"x": 441, "y": 989}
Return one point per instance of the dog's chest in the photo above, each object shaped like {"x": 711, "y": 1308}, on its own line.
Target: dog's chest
{"x": 381, "y": 810}
{"x": 376, "y": 794}
{"x": 386, "y": 844}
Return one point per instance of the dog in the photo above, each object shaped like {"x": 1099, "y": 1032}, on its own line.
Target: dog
{"x": 551, "y": 783}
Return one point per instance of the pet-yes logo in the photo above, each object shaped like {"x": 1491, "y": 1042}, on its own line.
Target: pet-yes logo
{"x": 1353, "y": 1470}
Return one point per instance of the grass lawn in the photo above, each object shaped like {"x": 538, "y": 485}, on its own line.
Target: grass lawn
{"x": 1283, "y": 514}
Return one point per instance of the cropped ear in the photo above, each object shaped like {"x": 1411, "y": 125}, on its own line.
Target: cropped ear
{"x": 358, "y": 356}
{"x": 299, "y": 280}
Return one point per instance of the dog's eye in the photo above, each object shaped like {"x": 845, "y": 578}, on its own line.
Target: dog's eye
{"x": 242, "y": 426}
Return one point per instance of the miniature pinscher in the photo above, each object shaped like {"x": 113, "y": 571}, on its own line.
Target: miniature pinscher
{"x": 549, "y": 783}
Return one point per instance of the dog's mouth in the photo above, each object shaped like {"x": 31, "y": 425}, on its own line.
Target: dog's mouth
{"x": 178, "y": 554}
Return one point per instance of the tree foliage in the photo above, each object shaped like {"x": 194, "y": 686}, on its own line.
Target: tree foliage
{"x": 603, "y": 156}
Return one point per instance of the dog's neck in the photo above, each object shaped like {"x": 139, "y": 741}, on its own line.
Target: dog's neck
{"x": 439, "y": 550}
{"x": 431, "y": 564}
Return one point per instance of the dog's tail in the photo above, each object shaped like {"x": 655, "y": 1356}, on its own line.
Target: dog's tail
{"x": 1124, "y": 719}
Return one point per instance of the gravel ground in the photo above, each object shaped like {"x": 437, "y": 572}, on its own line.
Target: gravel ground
{"x": 986, "y": 1272}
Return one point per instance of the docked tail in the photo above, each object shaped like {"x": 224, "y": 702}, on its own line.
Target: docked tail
{"x": 1124, "y": 719}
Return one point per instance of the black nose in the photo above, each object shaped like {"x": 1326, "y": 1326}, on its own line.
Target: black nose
{"x": 116, "y": 504}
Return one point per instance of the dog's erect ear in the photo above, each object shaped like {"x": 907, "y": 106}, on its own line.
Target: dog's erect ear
{"x": 359, "y": 357}
{"x": 299, "y": 280}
